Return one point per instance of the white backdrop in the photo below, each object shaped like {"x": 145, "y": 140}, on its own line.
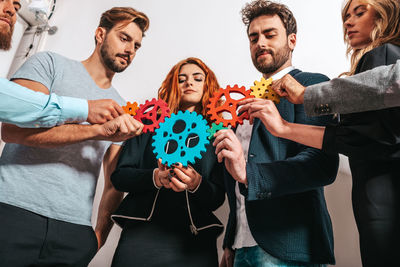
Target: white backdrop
{"x": 212, "y": 30}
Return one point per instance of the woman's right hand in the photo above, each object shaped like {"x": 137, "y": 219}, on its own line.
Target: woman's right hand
{"x": 162, "y": 176}
{"x": 227, "y": 258}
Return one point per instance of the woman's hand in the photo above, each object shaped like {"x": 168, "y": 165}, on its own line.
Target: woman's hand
{"x": 162, "y": 175}
{"x": 185, "y": 178}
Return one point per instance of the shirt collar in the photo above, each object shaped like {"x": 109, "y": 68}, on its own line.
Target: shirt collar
{"x": 282, "y": 73}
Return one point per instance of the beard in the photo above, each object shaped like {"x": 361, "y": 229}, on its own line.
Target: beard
{"x": 110, "y": 61}
{"x": 5, "y": 38}
{"x": 278, "y": 59}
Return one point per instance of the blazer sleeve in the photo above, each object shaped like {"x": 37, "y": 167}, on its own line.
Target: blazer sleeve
{"x": 308, "y": 169}
{"x": 134, "y": 171}
{"x": 374, "y": 89}
{"x": 211, "y": 192}
{"x": 371, "y": 134}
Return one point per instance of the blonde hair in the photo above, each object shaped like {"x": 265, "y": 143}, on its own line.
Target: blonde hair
{"x": 386, "y": 30}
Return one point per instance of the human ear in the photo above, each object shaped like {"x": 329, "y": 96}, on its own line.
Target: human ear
{"x": 292, "y": 41}
{"x": 100, "y": 35}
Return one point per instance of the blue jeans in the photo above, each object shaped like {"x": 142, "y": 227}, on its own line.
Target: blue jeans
{"x": 257, "y": 257}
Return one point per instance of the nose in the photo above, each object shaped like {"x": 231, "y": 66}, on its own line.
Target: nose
{"x": 8, "y": 7}
{"x": 349, "y": 22}
{"x": 262, "y": 42}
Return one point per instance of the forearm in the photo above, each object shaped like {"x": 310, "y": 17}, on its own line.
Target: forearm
{"x": 110, "y": 201}
{"x": 49, "y": 138}
{"x": 309, "y": 170}
{"x": 309, "y": 135}
{"x": 27, "y": 108}
{"x": 375, "y": 89}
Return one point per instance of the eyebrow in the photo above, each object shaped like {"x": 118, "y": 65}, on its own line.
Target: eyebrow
{"x": 354, "y": 10}
{"x": 196, "y": 73}
{"x": 17, "y": 3}
{"x": 264, "y": 31}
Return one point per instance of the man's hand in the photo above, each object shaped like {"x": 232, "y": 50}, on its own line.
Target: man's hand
{"x": 266, "y": 111}
{"x": 103, "y": 110}
{"x": 227, "y": 258}
{"x": 290, "y": 88}
{"x": 228, "y": 147}
{"x": 120, "y": 129}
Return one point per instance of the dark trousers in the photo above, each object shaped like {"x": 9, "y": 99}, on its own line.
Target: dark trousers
{"x": 151, "y": 244}
{"x": 376, "y": 204}
{"x": 29, "y": 239}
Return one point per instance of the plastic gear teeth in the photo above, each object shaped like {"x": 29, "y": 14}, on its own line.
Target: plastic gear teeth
{"x": 154, "y": 111}
{"x": 262, "y": 89}
{"x": 215, "y": 128}
{"x": 168, "y": 137}
{"x": 230, "y": 105}
{"x": 130, "y": 108}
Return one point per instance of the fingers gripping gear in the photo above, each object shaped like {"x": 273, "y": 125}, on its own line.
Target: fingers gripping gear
{"x": 152, "y": 113}
{"x": 131, "y": 108}
{"x": 214, "y": 128}
{"x": 262, "y": 89}
{"x": 230, "y": 106}
{"x": 181, "y": 138}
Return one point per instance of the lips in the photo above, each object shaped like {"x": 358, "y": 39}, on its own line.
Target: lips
{"x": 6, "y": 20}
{"x": 351, "y": 33}
{"x": 263, "y": 53}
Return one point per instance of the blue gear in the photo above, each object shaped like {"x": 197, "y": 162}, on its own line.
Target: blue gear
{"x": 194, "y": 124}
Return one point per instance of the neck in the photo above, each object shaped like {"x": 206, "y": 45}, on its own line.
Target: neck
{"x": 100, "y": 74}
{"x": 284, "y": 66}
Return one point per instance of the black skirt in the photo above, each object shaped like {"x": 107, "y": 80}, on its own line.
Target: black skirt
{"x": 160, "y": 243}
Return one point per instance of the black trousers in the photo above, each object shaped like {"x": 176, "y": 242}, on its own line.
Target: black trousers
{"x": 29, "y": 239}
{"x": 151, "y": 244}
{"x": 376, "y": 205}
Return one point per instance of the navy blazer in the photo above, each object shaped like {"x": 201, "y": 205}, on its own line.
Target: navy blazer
{"x": 285, "y": 204}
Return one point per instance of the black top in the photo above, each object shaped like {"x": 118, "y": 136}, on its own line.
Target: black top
{"x": 372, "y": 135}
{"x": 189, "y": 211}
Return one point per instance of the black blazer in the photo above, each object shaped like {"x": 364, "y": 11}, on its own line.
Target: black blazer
{"x": 372, "y": 135}
{"x": 285, "y": 204}
{"x": 192, "y": 211}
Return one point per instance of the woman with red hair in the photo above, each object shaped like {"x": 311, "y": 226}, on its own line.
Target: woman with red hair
{"x": 167, "y": 216}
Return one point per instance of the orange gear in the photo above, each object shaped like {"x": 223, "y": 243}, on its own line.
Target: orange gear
{"x": 262, "y": 89}
{"x": 230, "y": 105}
{"x": 152, "y": 113}
{"x": 131, "y": 108}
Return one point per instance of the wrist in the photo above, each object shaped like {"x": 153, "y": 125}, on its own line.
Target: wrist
{"x": 156, "y": 179}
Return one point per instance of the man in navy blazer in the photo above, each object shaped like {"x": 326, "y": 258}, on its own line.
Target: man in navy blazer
{"x": 278, "y": 214}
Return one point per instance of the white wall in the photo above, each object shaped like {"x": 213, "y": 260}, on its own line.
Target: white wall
{"x": 212, "y": 30}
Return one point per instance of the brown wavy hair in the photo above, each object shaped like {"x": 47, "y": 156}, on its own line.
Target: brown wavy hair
{"x": 259, "y": 8}
{"x": 170, "y": 93}
{"x": 386, "y": 30}
{"x": 115, "y": 15}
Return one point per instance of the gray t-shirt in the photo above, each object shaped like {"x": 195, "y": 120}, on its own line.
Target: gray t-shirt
{"x": 58, "y": 183}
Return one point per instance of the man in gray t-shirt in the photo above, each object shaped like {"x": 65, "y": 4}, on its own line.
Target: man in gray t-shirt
{"x": 48, "y": 176}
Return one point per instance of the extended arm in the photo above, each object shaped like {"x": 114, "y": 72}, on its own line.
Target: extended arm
{"x": 110, "y": 199}
{"x": 119, "y": 129}
{"x": 375, "y": 89}
{"x": 26, "y": 108}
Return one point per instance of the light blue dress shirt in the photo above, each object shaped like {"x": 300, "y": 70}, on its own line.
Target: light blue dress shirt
{"x": 26, "y": 108}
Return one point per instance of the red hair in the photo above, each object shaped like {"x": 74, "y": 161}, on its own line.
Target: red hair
{"x": 170, "y": 93}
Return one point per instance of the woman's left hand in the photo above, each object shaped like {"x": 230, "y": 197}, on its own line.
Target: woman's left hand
{"x": 185, "y": 178}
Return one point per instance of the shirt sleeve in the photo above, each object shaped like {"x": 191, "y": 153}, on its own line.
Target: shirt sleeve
{"x": 26, "y": 108}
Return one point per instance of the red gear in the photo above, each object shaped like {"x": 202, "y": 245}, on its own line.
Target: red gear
{"x": 154, "y": 111}
{"x": 230, "y": 105}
